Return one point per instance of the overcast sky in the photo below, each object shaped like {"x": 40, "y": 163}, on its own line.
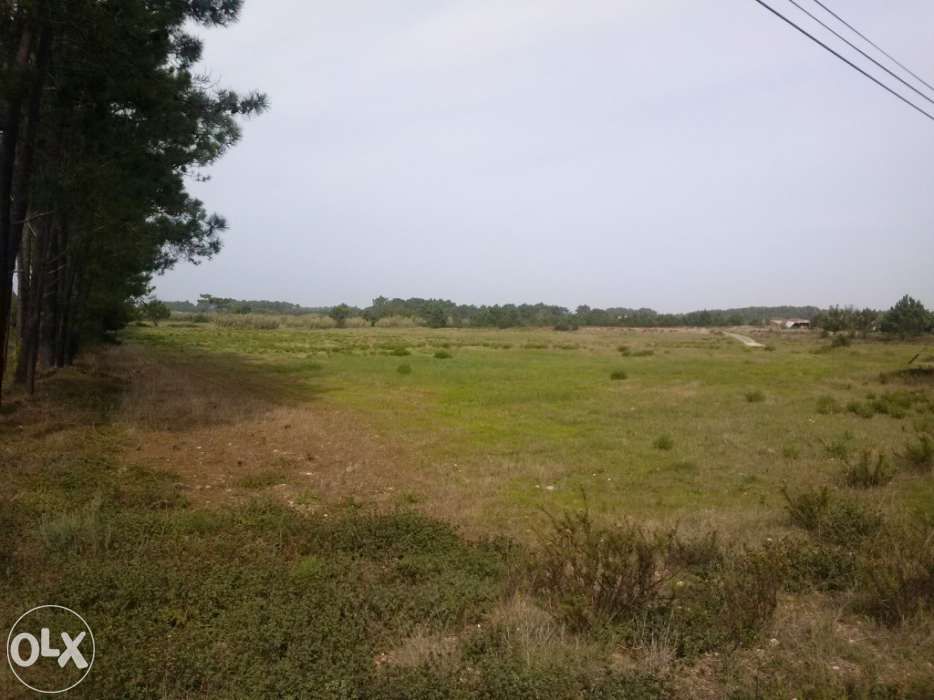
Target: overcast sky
{"x": 676, "y": 154}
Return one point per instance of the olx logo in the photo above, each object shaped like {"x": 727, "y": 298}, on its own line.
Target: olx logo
{"x": 50, "y": 649}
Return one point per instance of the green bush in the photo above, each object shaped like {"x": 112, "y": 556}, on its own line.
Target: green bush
{"x": 861, "y": 409}
{"x": 896, "y": 578}
{"x": 618, "y": 375}
{"x": 840, "y": 341}
{"x": 804, "y": 565}
{"x": 663, "y": 442}
{"x": 827, "y": 405}
{"x": 791, "y": 452}
{"x": 870, "y": 471}
{"x": 832, "y": 519}
{"x": 920, "y": 453}
{"x": 595, "y": 575}
{"x": 755, "y": 396}
{"x": 404, "y": 368}
{"x": 443, "y": 355}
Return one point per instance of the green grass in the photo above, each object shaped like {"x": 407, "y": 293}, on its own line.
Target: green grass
{"x": 538, "y": 403}
{"x": 253, "y": 594}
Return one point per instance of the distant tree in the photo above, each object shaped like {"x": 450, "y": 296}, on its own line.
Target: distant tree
{"x": 435, "y": 315}
{"x": 340, "y": 314}
{"x": 155, "y": 311}
{"x": 907, "y": 318}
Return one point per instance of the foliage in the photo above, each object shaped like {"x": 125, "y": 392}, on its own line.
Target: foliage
{"x": 907, "y": 318}
{"x": 618, "y": 374}
{"x": 663, "y": 442}
{"x": 870, "y": 471}
{"x": 154, "y": 310}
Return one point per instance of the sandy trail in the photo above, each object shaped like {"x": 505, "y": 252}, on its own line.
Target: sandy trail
{"x": 745, "y": 340}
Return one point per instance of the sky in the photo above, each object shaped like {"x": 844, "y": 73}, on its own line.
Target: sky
{"x": 670, "y": 154}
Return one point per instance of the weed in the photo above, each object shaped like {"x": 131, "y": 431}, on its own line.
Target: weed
{"x": 618, "y": 375}
{"x": 404, "y": 368}
{"x": 755, "y": 396}
{"x": 791, "y": 452}
{"x": 443, "y": 355}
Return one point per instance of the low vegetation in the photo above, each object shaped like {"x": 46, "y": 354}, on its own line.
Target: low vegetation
{"x": 285, "y": 514}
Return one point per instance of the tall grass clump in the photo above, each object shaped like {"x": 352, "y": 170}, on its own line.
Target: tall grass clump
{"x": 636, "y": 584}
{"x": 840, "y": 521}
{"x": 869, "y": 471}
{"x": 755, "y": 396}
{"x": 896, "y": 576}
{"x": 618, "y": 375}
{"x": 83, "y": 531}
{"x": 595, "y": 574}
{"x": 920, "y": 453}
{"x": 826, "y": 405}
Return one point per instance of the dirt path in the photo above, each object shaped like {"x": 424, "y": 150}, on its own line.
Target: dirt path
{"x": 745, "y": 340}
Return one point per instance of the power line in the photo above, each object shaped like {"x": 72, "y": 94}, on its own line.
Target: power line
{"x": 845, "y": 60}
{"x": 875, "y": 45}
{"x": 856, "y": 48}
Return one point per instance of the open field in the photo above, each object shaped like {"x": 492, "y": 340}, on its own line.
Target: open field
{"x": 363, "y": 512}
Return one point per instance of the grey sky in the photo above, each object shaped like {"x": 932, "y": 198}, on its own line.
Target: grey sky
{"x": 672, "y": 154}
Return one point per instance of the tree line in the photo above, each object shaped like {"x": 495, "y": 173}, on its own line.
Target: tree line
{"x": 908, "y": 317}
{"x": 103, "y": 120}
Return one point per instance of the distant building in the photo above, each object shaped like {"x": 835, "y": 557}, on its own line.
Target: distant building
{"x": 789, "y": 323}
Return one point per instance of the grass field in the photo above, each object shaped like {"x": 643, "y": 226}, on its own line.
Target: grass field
{"x": 378, "y": 512}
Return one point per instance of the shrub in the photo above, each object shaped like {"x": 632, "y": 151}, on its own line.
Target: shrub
{"x": 839, "y": 448}
{"x": 840, "y": 341}
{"x": 870, "y": 471}
{"x": 565, "y": 326}
{"x": 838, "y": 521}
{"x": 896, "y": 578}
{"x": 443, "y": 355}
{"x": 663, "y": 442}
{"x": 618, "y": 375}
{"x": 755, "y": 396}
{"x": 596, "y": 575}
{"x": 791, "y": 452}
{"x": 827, "y": 405}
{"x": 861, "y": 409}
{"x": 404, "y": 369}
{"x": 920, "y": 453}
{"x": 802, "y": 565}
{"x": 624, "y": 349}
{"x": 399, "y": 352}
